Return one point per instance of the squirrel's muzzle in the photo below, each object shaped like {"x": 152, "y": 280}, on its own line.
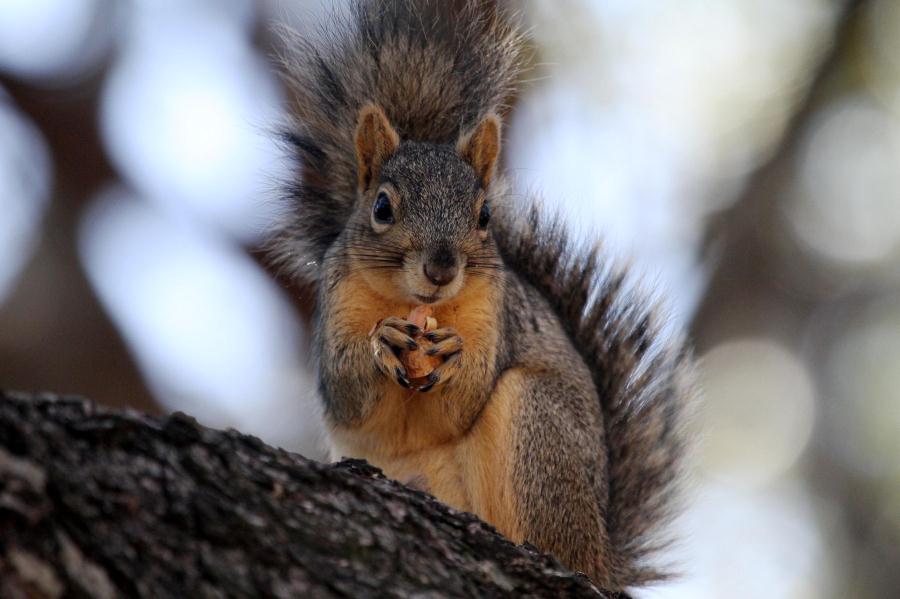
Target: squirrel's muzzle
{"x": 441, "y": 267}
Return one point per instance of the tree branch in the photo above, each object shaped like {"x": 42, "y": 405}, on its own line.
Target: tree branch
{"x": 103, "y": 503}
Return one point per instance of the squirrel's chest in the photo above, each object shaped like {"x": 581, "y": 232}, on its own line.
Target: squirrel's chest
{"x": 401, "y": 421}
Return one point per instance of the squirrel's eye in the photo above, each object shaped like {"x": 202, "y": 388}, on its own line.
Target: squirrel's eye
{"x": 382, "y": 212}
{"x": 484, "y": 217}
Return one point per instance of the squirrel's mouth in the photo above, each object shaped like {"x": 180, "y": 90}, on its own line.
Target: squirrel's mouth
{"x": 426, "y": 299}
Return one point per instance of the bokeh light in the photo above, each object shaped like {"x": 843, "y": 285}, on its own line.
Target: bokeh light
{"x": 847, "y": 205}
{"x": 758, "y": 411}
{"x": 620, "y": 134}
{"x": 745, "y": 544}
{"x": 53, "y": 39}
{"x": 207, "y": 327}
{"x": 188, "y": 114}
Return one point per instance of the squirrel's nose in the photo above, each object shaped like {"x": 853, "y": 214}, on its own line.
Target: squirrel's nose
{"x": 441, "y": 268}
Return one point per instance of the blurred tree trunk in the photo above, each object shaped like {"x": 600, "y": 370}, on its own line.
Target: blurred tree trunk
{"x": 743, "y": 242}
{"x": 102, "y": 503}
{"x": 53, "y": 331}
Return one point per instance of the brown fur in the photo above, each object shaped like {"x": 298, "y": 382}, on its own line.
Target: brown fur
{"x": 376, "y": 140}
{"x": 404, "y": 421}
{"x": 556, "y": 411}
{"x": 481, "y": 148}
{"x": 467, "y": 467}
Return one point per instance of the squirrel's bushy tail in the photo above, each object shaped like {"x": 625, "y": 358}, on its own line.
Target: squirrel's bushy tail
{"x": 643, "y": 379}
{"x": 436, "y": 67}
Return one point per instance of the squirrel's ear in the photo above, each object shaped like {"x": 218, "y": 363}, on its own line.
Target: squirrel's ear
{"x": 481, "y": 146}
{"x": 376, "y": 140}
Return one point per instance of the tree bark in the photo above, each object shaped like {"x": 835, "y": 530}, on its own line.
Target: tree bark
{"x": 102, "y": 503}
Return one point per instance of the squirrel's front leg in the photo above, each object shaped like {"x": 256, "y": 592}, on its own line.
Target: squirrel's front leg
{"x": 447, "y": 345}
{"x": 353, "y": 360}
{"x": 388, "y": 339}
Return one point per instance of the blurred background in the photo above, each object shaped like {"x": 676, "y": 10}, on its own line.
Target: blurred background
{"x": 742, "y": 155}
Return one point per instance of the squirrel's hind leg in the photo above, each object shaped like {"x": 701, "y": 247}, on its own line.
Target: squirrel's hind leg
{"x": 486, "y": 458}
{"x": 528, "y": 485}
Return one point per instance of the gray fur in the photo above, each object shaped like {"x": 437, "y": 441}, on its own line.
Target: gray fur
{"x": 599, "y": 446}
{"x": 644, "y": 383}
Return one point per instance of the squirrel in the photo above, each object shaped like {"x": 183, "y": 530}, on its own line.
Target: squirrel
{"x": 556, "y": 410}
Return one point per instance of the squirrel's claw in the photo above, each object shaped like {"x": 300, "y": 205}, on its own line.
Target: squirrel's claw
{"x": 390, "y": 365}
{"x": 443, "y": 373}
{"x": 388, "y": 338}
{"x": 438, "y": 335}
{"x": 397, "y": 333}
{"x": 402, "y": 379}
{"x": 451, "y": 344}
{"x": 385, "y": 358}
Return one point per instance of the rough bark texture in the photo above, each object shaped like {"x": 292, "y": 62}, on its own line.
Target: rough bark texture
{"x": 102, "y": 503}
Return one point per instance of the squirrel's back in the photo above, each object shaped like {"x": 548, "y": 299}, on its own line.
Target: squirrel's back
{"x": 436, "y": 69}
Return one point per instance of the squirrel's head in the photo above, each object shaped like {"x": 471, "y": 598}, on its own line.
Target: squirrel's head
{"x": 422, "y": 223}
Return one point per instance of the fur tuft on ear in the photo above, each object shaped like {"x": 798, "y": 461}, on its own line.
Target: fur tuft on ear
{"x": 481, "y": 147}
{"x": 376, "y": 141}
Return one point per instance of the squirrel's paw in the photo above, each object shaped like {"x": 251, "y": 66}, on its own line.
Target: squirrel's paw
{"x": 446, "y": 342}
{"x": 447, "y": 345}
{"x": 389, "y": 337}
{"x": 445, "y": 371}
